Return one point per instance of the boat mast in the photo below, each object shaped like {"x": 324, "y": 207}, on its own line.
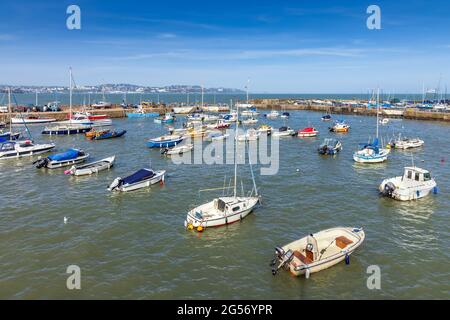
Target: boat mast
{"x": 378, "y": 107}
{"x": 36, "y": 104}
{"x": 246, "y": 87}
{"x": 70, "y": 94}
{"x": 10, "y": 114}
{"x": 202, "y": 98}
{"x": 236, "y": 146}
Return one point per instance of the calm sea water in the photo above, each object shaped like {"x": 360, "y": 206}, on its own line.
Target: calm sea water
{"x": 80, "y": 98}
{"x": 134, "y": 245}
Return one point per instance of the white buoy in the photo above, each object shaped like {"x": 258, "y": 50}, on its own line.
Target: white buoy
{"x": 307, "y": 273}
{"x": 298, "y": 170}
{"x": 65, "y": 220}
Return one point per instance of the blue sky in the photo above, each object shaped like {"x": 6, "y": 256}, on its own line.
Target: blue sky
{"x": 298, "y": 46}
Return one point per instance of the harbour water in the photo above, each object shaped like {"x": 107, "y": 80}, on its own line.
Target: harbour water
{"x": 134, "y": 245}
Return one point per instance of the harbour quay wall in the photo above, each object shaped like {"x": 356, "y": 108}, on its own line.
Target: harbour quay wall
{"x": 409, "y": 113}
{"x": 114, "y": 112}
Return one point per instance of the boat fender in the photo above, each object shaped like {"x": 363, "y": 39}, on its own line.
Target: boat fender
{"x": 418, "y": 193}
{"x": 307, "y": 273}
{"x": 200, "y": 229}
{"x": 435, "y": 190}
{"x": 347, "y": 259}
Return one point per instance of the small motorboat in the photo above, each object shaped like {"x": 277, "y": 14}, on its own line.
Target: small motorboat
{"x": 140, "y": 113}
{"x": 140, "y": 179}
{"x": 308, "y": 132}
{"x": 414, "y": 184}
{"x": 330, "y": 147}
{"x": 96, "y": 120}
{"x": 8, "y": 136}
{"x": 195, "y": 132}
{"x": 91, "y": 168}
{"x": 108, "y": 134}
{"x": 165, "y": 141}
{"x": 180, "y": 149}
{"x": 340, "y": 126}
{"x": 250, "y": 135}
{"x": 93, "y": 132}
{"x": 384, "y": 121}
{"x": 220, "y": 124}
{"x": 318, "y": 251}
{"x": 266, "y": 129}
{"x": 22, "y": 148}
{"x": 167, "y": 118}
{"x": 273, "y": 114}
{"x": 285, "y": 115}
{"x": 406, "y": 143}
{"x": 283, "y": 132}
{"x": 326, "y": 117}
{"x": 31, "y": 119}
{"x": 216, "y": 136}
{"x": 250, "y": 121}
{"x": 70, "y": 157}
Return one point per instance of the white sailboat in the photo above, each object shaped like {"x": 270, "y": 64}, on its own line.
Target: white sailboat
{"x": 371, "y": 152}
{"x": 223, "y": 210}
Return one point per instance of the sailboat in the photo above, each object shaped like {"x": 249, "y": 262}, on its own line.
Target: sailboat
{"x": 71, "y": 126}
{"x": 224, "y": 210}
{"x": 371, "y": 152}
{"x": 20, "y": 148}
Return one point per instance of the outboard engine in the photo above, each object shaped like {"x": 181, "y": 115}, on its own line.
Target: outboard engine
{"x": 115, "y": 184}
{"x": 388, "y": 189}
{"x": 41, "y": 163}
{"x": 283, "y": 258}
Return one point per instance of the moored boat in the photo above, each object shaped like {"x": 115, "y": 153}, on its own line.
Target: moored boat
{"x": 340, "y": 126}
{"x": 108, "y": 134}
{"x": 250, "y": 121}
{"x": 414, "y": 184}
{"x": 273, "y": 114}
{"x": 216, "y": 136}
{"x": 31, "y": 119}
{"x": 66, "y": 129}
{"x": 91, "y": 168}
{"x": 318, "y": 251}
{"x": 179, "y": 149}
{"x": 330, "y": 147}
{"x": 8, "y": 136}
{"x": 326, "y": 117}
{"x": 371, "y": 153}
{"x": 164, "y": 141}
{"x": 308, "y": 132}
{"x": 283, "y": 132}
{"x": 140, "y": 179}
{"x": 70, "y": 157}
{"x": 406, "y": 143}
{"x": 167, "y": 118}
{"x": 22, "y": 148}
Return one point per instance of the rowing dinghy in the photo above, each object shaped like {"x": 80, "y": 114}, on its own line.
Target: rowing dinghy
{"x": 70, "y": 157}
{"x": 318, "y": 251}
{"x": 91, "y": 168}
{"x": 140, "y": 179}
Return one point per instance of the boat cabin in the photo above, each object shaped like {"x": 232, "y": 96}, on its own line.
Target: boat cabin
{"x": 416, "y": 174}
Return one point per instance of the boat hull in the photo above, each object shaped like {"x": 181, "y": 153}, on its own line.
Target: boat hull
{"x": 26, "y": 153}
{"x": 92, "y": 168}
{"x": 409, "y": 193}
{"x": 67, "y": 131}
{"x": 163, "y": 144}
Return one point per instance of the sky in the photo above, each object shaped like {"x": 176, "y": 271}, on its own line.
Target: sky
{"x": 300, "y": 46}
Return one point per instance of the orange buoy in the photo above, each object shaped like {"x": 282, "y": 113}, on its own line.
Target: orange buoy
{"x": 200, "y": 229}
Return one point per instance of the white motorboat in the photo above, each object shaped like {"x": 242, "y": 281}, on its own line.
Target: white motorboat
{"x": 266, "y": 129}
{"x": 283, "y": 132}
{"x": 178, "y": 149}
{"x": 406, "y": 143}
{"x": 224, "y": 210}
{"x": 91, "y": 168}
{"x": 318, "y": 251}
{"x": 384, "y": 121}
{"x": 250, "y": 135}
{"x": 216, "y": 136}
{"x": 29, "y": 119}
{"x": 19, "y": 149}
{"x": 273, "y": 114}
{"x": 250, "y": 121}
{"x": 182, "y": 110}
{"x": 414, "y": 184}
{"x": 101, "y": 105}
{"x": 140, "y": 179}
{"x": 70, "y": 157}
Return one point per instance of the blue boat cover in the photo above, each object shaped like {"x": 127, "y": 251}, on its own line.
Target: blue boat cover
{"x": 140, "y": 175}
{"x": 68, "y": 155}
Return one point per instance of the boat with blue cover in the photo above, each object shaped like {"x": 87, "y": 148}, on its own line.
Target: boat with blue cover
{"x": 8, "y": 136}
{"x": 167, "y": 118}
{"x": 70, "y": 157}
{"x": 165, "y": 141}
{"x": 326, "y": 117}
{"x": 140, "y": 179}
{"x": 108, "y": 134}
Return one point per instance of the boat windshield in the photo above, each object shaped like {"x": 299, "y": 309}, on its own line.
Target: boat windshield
{"x": 426, "y": 176}
{"x": 221, "y": 205}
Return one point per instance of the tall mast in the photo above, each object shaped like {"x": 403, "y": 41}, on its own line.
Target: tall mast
{"x": 246, "y": 87}
{"x": 36, "y": 104}
{"x": 236, "y": 146}
{"x": 10, "y": 114}
{"x": 202, "y": 96}
{"x": 378, "y": 107}
{"x": 70, "y": 94}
